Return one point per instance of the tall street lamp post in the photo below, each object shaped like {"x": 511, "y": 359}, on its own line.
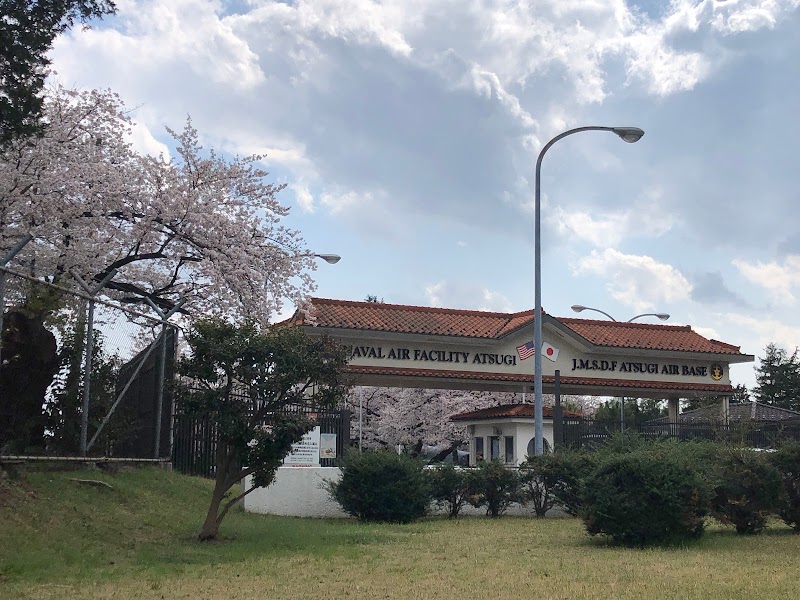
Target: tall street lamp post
{"x": 663, "y": 316}
{"x": 627, "y": 134}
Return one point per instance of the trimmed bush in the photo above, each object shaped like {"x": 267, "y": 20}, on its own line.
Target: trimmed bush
{"x": 787, "y": 461}
{"x": 382, "y": 486}
{"x": 494, "y": 486}
{"x": 747, "y": 490}
{"x": 638, "y": 499}
{"x": 542, "y": 478}
{"x": 573, "y": 467}
{"x": 449, "y": 488}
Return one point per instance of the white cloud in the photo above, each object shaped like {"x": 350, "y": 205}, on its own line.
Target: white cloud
{"x": 143, "y": 141}
{"x": 434, "y": 293}
{"x": 707, "y": 332}
{"x": 466, "y": 296}
{"x": 637, "y": 281}
{"x": 646, "y": 218}
{"x": 767, "y": 330}
{"x": 303, "y": 196}
{"x": 495, "y": 302}
{"x": 175, "y": 34}
{"x": 781, "y": 280}
{"x": 349, "y": 201}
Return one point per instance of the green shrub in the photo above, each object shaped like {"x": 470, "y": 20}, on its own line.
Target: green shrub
{"x": 382, "y": 486}
{"x": 787, "y": 461}
{"x": 747, "y": 490}
{"x": 638, "y": 499}
{"x": 544, "y": 478}
{"x": 621, "y": 442}
{"x": 494, "y": 486}
{"x": 573, "y": 467}
{"x": 449, "y": 487}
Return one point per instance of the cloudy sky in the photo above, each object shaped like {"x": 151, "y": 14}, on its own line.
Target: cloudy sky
{"x": 407, "y": 132}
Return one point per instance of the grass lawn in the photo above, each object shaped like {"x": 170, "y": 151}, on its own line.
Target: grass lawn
{"x": 60, "y": 539}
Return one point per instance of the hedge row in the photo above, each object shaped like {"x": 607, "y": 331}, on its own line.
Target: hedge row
{"x": 635, "y": 492}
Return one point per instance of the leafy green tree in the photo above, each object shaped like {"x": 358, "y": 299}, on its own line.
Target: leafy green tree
{"x": 253, "y": 385}
{"x": 27, "y": 31}
{"x": 64, "y": 403}
{"x": 739, "y": 396}
{"x": 494, "y": 486}
{"x": 450, "y": 488}
{"x": 540, "y": 476}
{"x": 637, "y": 411}
{"x": 778, "y": 378}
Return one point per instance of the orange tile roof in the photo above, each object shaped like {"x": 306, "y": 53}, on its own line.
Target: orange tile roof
{"x": 646, "y": 335}
{"x": 377, "y": 316}
{"x": 589, "y": 382}
{"x": 509, "y": 411}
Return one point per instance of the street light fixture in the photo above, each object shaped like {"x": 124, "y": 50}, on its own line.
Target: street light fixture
{"x": 663, "y": 316}
{"x": 580, "y": 308}
{"x": 627, "y": 134}
{"x": 331, "y": 259}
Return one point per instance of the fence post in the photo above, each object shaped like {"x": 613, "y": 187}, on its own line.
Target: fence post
{"x": 3, "y": 262}
{"x": 558, "y": 413}
{"x": 87, "y": 377}
{"x": 161, "y": 368}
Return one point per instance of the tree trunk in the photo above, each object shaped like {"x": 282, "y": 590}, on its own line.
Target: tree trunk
{"x": 210, "y": 527}
{"x": 226, "y": 464}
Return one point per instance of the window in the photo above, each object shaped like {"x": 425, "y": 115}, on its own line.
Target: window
{"x": 509, "y": 449}
{"x": 478, "y": 449}
{"x": 531, "y": 446}
{"x": 494, "y": 447}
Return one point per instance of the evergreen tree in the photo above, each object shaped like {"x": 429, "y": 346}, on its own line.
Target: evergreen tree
{"x": 27, "y": 31}
{"x": 778, "y": 378}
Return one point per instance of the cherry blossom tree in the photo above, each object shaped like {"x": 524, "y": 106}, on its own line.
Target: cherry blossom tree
{"x": 406, "y": 416}
{"x": 200, "y": 227}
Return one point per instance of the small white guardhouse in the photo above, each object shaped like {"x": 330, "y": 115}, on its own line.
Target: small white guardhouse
{"x": 505, "y": 433}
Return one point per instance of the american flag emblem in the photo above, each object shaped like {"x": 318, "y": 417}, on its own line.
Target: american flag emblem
{"x": 526, "y": 350}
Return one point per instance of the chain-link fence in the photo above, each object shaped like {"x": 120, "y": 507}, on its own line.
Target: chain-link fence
{"x": 81, "y": 376}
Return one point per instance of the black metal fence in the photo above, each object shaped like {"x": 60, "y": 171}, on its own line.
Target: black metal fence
{"x": 586, "y": 432}
{"x": 194, "y": 439}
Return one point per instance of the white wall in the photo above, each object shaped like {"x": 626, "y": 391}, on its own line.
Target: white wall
{"x": 296, "y": 492}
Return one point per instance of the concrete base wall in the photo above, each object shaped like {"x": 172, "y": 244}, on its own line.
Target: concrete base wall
{"x": 296, "y": 492}
{"x": 300, "y": 492}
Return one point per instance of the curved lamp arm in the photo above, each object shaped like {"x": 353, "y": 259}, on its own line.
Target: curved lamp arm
{"x": 580, "y": 308}
{"x": 627, "y": 134}
{"x": 662, "y": 316}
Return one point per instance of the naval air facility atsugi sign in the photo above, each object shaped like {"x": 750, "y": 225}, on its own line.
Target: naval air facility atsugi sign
{"x": 411, "y": 346}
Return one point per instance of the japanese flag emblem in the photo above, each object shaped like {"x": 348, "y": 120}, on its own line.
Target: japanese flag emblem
{"x": 549, "y": 351}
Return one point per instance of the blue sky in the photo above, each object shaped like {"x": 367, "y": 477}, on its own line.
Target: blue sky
{"x": 407, "y": 132}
